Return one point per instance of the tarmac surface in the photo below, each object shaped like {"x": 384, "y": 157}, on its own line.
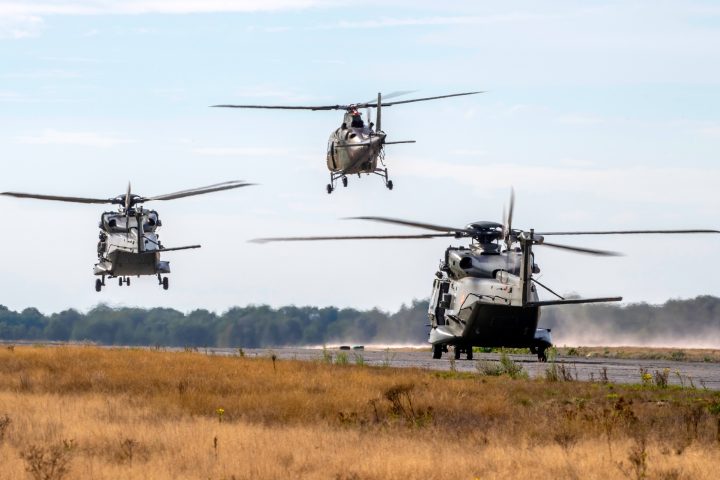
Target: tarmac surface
{"x": 699, "y": 374}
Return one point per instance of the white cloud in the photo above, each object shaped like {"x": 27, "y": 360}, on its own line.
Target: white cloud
{"x": 711, "y": 131}
{"x": 17, "y": 26}
{"x": 10, "y": 97}
{"x": 277, "y": 94}
{"x": 469, "y": 152}
{"x": 240, "y": 151}
{"x": 389, "y": 22}
{"x": 578, "y": 119}
{"x": 662, "y": 185}
{"x": 135, "y": 7}
{"x": 86, "y": 139}
{"x": 55, "y": 74}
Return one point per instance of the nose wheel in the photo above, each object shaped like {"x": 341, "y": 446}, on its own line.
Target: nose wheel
{"x": 124, "y": 281}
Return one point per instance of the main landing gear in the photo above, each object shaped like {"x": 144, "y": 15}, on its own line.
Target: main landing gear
{"x": 334, "y": 177}
{"x": 164, "y": 281}
{"x": 99, "y": 284}
{"x": 458, "y": 350}
{"x": 541, "y": 352}
{"x": 384, "y": 174}
{"x": 330, "y": 187}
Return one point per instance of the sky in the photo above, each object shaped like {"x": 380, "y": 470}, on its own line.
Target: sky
{"x": 600, "y": 114}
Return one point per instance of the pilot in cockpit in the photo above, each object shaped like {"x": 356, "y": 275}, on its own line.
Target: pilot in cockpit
{"x": 357, "y": 121}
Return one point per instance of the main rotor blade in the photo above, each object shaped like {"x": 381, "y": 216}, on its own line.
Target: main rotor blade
{"x": 507, "y": 220}
{"x": 627, "y": 232}
{"x": 372, "y": 103}
{"x": 286, "y": 107}
{"x": 425, "y": 99}
{"x": 396, "y": 93}
{"x": 589, "y": 251}
{"x": 199, "y": 191}
{"x": 127, "y": 198}
{"x": 397, "y": 221}
{"x": 351, "y": 237}
{"x": 57, "y": 198}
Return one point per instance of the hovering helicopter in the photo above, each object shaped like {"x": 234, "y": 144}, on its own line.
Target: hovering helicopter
{"x": 129, "y": 243}
{"x": 484, "y": 294}
{"x": 356, "y": 147}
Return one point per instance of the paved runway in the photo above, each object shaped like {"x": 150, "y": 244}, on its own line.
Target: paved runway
{"x": 702, "y": 375}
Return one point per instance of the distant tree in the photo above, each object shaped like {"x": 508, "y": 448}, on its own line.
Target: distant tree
{"x": 689, "y": 320}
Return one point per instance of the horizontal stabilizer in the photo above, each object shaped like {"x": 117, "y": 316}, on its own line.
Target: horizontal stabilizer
{"x": 189, "y": 247}
{"x": 573, "y": 301}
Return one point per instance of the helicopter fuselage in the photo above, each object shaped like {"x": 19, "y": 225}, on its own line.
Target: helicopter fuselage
{"x": 129, "y": 244}
{"x": 354, "y": 150}
{"x": 477, "y": 300}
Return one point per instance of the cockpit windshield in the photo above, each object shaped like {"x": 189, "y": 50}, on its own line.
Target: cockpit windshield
{"x": 357, "y": 121}
{"x": 119, "y": 223}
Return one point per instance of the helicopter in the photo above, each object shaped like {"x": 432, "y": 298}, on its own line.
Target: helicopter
{"x": 128, "y": 242}
{"x": 485, "y": 294}
{"x": 356, "y": 147}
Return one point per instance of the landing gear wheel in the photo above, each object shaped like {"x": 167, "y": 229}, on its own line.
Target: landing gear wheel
{"x": 120, "y": 281}
{"x": 166, "y": 283}
{"x": 344, "y": 180}
{"x": 458, "y": 351}
{"x": 98, "y": 285}
{"x": 389, "y": 185}
{"x": 542, "y": 356}
{"x": 469, "y": 353}
{"x": 127, "y": 281}
{"x": 437, "y": 352}
{"x": 329, "y": 189}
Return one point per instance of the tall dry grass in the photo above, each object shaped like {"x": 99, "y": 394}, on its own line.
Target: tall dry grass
{"x": 101, "y": 413}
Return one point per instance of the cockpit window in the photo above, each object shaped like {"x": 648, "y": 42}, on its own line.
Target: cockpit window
{"x": 357, "y": 121}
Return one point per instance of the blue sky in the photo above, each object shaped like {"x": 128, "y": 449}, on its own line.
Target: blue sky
{"x": 601, "y": 114}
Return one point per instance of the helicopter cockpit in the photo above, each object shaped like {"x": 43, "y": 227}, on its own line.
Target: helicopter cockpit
{"x": 353, "y": 119}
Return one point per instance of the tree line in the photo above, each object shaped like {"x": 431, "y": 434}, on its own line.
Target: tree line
{"x": 684, "y": 321}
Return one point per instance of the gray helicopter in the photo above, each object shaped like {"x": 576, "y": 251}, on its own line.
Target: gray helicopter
{"x": 129, "y": 243}
{"x": 356, "y": 147}
{"x": 484, "y": 294}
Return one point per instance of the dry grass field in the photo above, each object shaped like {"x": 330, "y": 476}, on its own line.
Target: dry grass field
{"x": 85, "y": 412}
{"x": 644, "y": 353}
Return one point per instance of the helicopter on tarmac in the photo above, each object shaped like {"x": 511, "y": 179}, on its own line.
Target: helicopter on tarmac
{"x": 356, "y": 147}
{"x": 485, "y": 295}
{"x": 129, "y": 243}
